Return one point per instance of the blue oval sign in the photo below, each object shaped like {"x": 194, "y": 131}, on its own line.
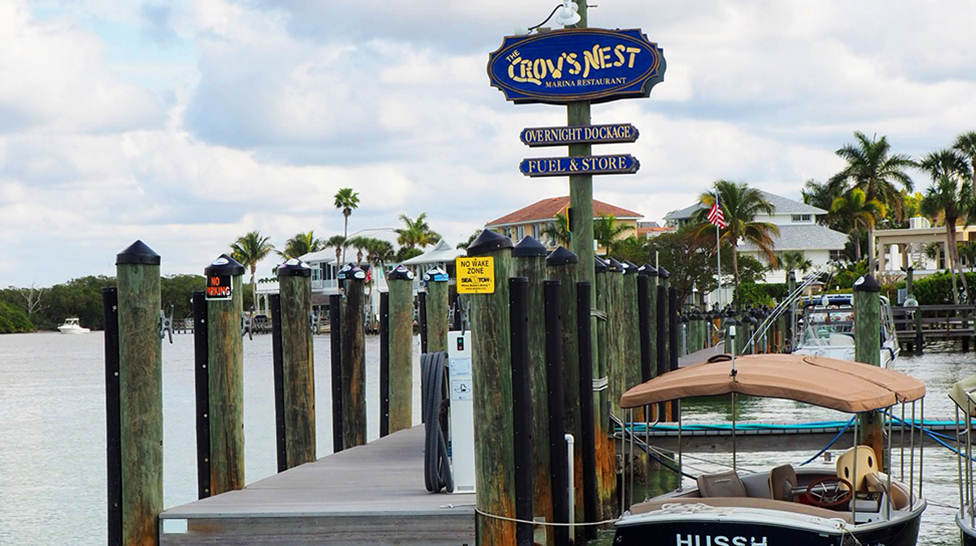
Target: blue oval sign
{"x": 573, "y": 65}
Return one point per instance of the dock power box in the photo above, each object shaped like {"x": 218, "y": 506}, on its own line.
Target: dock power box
{"x": 462, "y": 411}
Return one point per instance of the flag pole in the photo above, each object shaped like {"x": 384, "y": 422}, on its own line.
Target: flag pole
{"x": 718, "y": 254}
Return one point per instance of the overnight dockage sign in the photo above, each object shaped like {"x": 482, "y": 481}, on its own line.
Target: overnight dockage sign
{"x": 572, "y": 65}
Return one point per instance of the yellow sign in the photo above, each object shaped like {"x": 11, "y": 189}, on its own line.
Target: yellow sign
{"x": 476, "y": 275}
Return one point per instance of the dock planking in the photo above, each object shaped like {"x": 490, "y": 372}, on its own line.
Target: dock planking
{"x": 371, "y": 494}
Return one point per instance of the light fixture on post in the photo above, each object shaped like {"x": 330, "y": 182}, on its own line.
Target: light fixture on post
{"x": 568, "y": 15}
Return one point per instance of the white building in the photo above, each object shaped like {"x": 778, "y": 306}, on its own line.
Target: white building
{"x": 798, "y": 230}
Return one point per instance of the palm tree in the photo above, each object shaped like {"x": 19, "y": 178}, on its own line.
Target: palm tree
{"x": 250, "y": 249}
{"x": 346, "y": 200}
{"x": 950, "y": 197}
{"x": 606, "y": 231}
{"x": 416, "y": 233}
{"x": 967, "y": 249}
{"x": 300, "y": 245}
{"x": 872, "y": 169}
{"x": 740, "y": 205}
{"x": 822, "y": 195}
{"x": 859, "y": 213}
{"x": 966, "y": 145}
{"x": 793, "y": 260}
{"x": 558, "y": 230}
{"x": 339, "y": 242}
{"x": 380, "y": 252}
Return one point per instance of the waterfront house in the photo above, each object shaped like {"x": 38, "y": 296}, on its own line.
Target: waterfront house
{"x": 533, "y": 219}
{"x": 899, "y": 248}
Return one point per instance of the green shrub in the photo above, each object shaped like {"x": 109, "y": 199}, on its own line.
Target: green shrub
{"x": 756, "y": 294}
{"x": 937, "y": 289}
{"x": 13, "y": 320}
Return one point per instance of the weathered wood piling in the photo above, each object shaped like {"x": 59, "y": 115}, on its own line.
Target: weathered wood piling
{"x": 606, "y": 447}
{"x": 867, "y": 349}
{"x": 226, "y": 377}
{"x": 140, "y": 393}
{"x": 353, "y": 348}
{"x": 298, "y": 363}
{"x": 492, "y": 386}
{"x": 437, "y": 296}
{"x": 400, "y": 283}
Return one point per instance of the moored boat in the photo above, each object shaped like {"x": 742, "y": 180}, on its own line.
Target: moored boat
{"x": 72, "y": 326}
{"x": 963, "y": 394}
{"x": 856, "y": 502}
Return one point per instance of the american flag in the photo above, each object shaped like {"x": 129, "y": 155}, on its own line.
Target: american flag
{"x": 715, "y": 215}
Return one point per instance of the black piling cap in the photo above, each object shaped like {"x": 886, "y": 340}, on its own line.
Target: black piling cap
{"x": 614, "y": 265}
{"x": 529, "y": 247}
{"x": 752, "y": 319}
{"x": 224, "y": 265}
{"x": 294, "y": 268}
{"x": 683, "y": 318}
{"x": 562, "y": 256}
{"x": 400, "y": 273}
{"x": 599, "y": 265}
{"x": 867, "y": 284}
{"x": 631, "y": 268}
{"x": 353, "y": 272}
{"x": 488, "y": 241}
{"x": 648, "y": 269}
{"x": 663, "y": 273}
{"x": 436, "y": 274}
{"x": 137, "y": 253}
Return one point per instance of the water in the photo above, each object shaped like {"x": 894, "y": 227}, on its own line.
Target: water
{"x": 52, "y": 430}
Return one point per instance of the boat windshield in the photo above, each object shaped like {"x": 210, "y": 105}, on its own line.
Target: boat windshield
{"x": 821, "y": 324}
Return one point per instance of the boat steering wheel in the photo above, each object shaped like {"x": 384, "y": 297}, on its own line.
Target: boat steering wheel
{"x": 827, "y": 492}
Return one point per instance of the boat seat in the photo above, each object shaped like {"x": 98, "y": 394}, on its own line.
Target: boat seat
{"x": 898, "y": 495}
{"x": 867, "y": 464}
{"x": 841, "y": 339}
{"x": 723, "y": 484}
{"x": 743, "y": 502}
{"x": 782, "y": 480}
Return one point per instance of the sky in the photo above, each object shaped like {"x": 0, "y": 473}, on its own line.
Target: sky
{"x": 188, "y": 123}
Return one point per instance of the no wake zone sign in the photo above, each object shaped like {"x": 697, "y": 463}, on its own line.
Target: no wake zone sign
{"x": 475, "y": 275}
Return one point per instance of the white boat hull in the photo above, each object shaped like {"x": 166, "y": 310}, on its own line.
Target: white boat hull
{"x": 73, "y": 330}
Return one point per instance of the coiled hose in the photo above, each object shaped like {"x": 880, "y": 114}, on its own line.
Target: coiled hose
{"x": 435, "y": 399}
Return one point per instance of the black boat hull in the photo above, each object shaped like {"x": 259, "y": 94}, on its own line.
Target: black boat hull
{"x": 711, "y": 533}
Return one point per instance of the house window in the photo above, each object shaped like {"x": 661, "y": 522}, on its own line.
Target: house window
{"x": 837, "y": 256}
{"x": 519, "y": 232}
{"x": 327, "y": 271}
{"x": 801, "y": 217}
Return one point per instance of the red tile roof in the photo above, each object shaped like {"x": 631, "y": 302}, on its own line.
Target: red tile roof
{"x": 548, "y": 208}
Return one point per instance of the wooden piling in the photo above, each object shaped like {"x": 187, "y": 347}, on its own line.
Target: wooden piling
{"x": 492, "y": 386}
{"x": 867, "y": 349}
{"x": 529, "y": 260}
{"x": 562, "y": 265}
{"x": 606, "y": 448}
{"x": 226, "y": 378}
{"x": 661, "y": 333}
{"x": 140, "y": 393}
{"x": 437, "y": 285}
{"x": 298, "y": 363}
{"x": 631, "y": 375}
{"x": 400, "y": 282}
{"x": 353, "y": 347}
{"x": 615, "y": 334}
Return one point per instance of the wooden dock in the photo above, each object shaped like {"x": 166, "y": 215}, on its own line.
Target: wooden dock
{"x": 372, "y": 494}
{"x": 939, "y": 323}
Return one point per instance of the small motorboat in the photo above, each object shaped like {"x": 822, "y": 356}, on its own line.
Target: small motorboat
{"x": 825, "y": 327}
{"x": 963, "y": 394}
{"x": 71, "y": 326}
{"x": 856, "y": 502}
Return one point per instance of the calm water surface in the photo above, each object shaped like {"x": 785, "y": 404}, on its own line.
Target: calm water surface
{"x": 52, "y": 430}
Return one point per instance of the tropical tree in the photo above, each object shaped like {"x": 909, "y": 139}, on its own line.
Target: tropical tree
{"x": 416, "y": 232}
{"x": 606, "y": 231}
{"x": 740, "y": 205}
{"x": 966, "y": 145}
{"x": 873, "y": 169}
{"x": 250, "y": 249}
{"x": 950, "y": 197}
{"x": 465, "y": 244}
{"x": 339, "y": 242}
{"x": 793, "y": 260}
{"x": 360, "y": 244}
{"x": 860, "y": 213}
{"x": 822, "y": 195}
{"x": 300, "y": 245}
{"x": 967, "y": 250}
{"x": 346, "y": 200}
{"x": 558, "y": 230}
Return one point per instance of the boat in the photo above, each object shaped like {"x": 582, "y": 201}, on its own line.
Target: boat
{"x": 824, "y": 326}
{"x": 963, "y": 394}
{"x": 71, "y": 326}
{"x": 854, "y": 502}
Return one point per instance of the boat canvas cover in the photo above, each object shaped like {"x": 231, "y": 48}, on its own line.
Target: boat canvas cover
{"x": 963, "y": 393}
{"x": 836, "y": 384}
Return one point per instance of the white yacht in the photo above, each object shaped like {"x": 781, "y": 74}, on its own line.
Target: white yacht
{"x": 71, "y": 326}
{"x": 825, "y": 327}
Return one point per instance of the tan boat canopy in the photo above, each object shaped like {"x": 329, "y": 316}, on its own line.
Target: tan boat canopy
{"x": 836, "y": 384}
